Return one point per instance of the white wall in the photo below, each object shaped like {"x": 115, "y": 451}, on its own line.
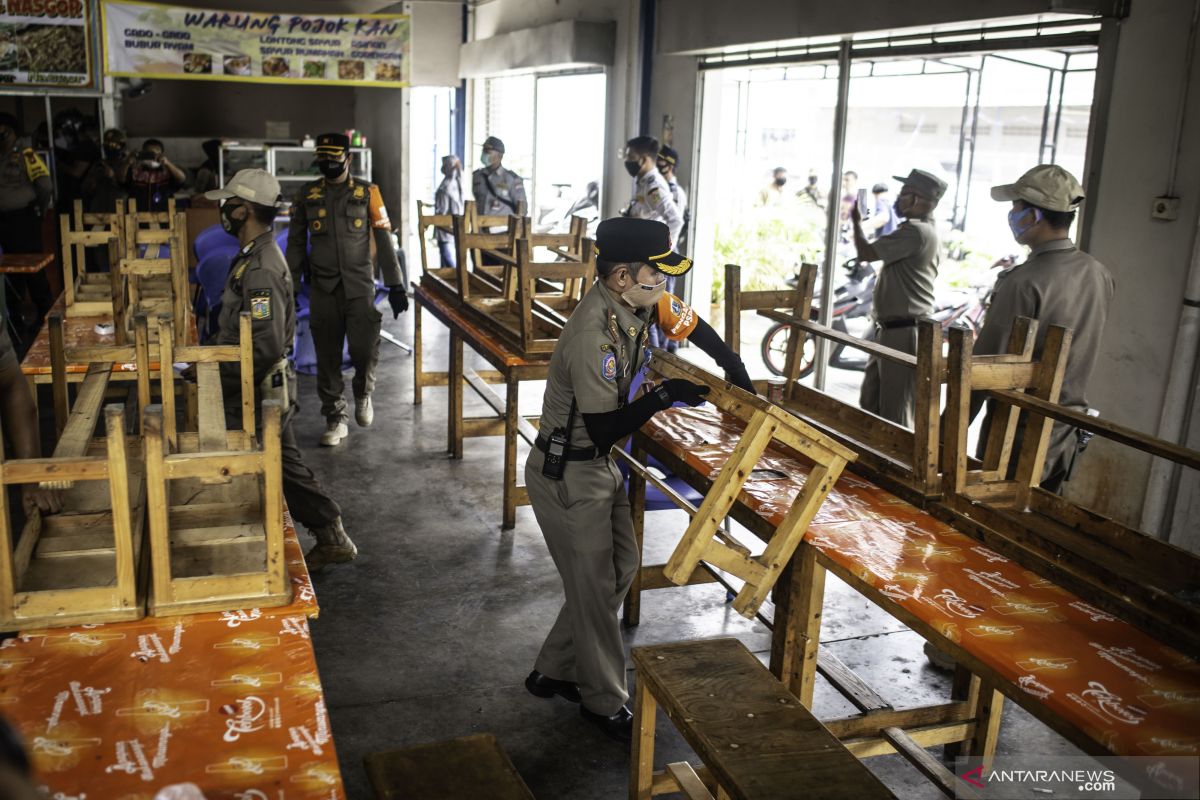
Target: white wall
{"x": 1148, "y": 258}
{"x": 504, "y": 16}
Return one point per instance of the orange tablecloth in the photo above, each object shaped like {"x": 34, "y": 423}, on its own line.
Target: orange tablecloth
{"x": 24, "y": 263}
{"x": 1128, "y": 692}
{"x": 230, "y": 701}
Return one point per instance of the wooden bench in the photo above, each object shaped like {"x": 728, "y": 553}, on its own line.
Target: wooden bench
{"x": 467, "y": 768}
{"x": 1014, "y": 633}
{"x": 756, "y": 739}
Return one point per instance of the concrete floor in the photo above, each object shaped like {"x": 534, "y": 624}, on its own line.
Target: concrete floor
{"x": 430, "y": 633}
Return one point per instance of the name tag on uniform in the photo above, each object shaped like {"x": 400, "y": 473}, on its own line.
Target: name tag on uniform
{"x": 260, "y": 304}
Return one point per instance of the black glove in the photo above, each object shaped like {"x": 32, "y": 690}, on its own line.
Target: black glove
{"x": 681, "y": 391}
{"x": 398, "y": 300}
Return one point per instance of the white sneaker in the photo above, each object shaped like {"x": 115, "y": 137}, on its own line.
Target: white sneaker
{"x": 334, "y": 433}
{"x": 364, "y": 411}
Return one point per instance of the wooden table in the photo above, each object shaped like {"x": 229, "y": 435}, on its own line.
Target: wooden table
{"x": 1097, "y": 680}
{"x": 24, "y": 263}
{"x": 510, "y": 369}
{"x": 77, "y": 332}
{"x": 231, "y": 701}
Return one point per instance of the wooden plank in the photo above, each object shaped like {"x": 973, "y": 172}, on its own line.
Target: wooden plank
{"x": 688, "y": 781}
{"x": 923, "y": 737}
{"x": 498, "y": 404}
{"x": 222, "y": 463}
{"x": 816, "y": 329}
{"x": 81, "y": 424}
{"x": 872, "y": 724}
{"x": 1103, "y": 428}
{"x": 849, "y": 685}
{"x": 641, "y": 757}
{"x": 733, "y": 307}
{"x": 945, "y": 780}
{"x": 211, "y": 407}
{"x": 757, "y": 740}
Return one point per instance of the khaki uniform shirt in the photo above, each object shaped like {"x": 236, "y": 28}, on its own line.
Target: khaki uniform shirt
{"x": 335, "y": 222}
{"x": 652, "y": 200}
{"x": 910, "y": 265}
{"x": 24, "y": 181}
{"x": 1057, "y": 285}
{"x": 497, "y": 194}
{"x": 601, "y": 350}
{"x": 259, "y": 282}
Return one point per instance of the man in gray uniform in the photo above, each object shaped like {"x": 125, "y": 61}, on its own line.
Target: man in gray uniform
{"x": 903, "y": 293}
{"x": 1058, "y": 284}
{"x": 333, "y": 222}
{"x": 448, "y": 200}
{"x": 259, "y": 282}
{"x": 577, "y": 493}
{"x": 498, "y": 191}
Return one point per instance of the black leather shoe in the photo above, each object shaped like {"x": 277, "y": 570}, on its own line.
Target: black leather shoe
{"x": 619, "y": 726}
{"x": 541, "y": 686}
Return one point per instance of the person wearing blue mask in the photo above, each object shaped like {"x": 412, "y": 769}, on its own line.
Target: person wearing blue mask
{"x": 1058, "y": 284}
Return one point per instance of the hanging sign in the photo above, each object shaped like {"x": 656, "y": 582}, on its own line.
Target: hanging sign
{"x": 148, "y": 40}
{"x": 45, "y": 43}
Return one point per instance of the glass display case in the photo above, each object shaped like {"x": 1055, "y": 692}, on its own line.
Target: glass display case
{"x": 292, "y": 165}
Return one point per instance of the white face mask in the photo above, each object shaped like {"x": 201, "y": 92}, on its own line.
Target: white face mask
{"x": 643, "y": 296}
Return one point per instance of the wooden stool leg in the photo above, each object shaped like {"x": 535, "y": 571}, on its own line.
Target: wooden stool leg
{"x": 964, "y": 687}
{"x": 512, "y": 415}
{"x": 417, "y": 353}
{"x": 987, "y": 723}
{"x": 796, "y": 639}
{"x": 454, "y": 413}
{"x": 637, "y": 507}
{"x": 641, "y": 759}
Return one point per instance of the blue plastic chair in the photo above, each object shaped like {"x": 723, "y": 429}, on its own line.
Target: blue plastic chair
{"x": 211, "y": 273}
{"x": 210, "y": 238}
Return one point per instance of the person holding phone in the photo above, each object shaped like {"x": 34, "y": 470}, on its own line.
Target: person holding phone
{"x": 903, "y": 293}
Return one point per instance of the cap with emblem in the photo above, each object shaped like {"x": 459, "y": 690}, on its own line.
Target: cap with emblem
{"x": 668, "y": 154}
{"x": 332, "y": 145}
{"x": 626, "y": 240}
{"x": 1047, "y": 186}
{"x": 925, "y": 183}
{"x": 492, "y": 143}
{"x": 254, "y": 185}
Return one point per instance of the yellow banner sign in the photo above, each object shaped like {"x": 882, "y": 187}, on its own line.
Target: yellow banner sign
{"x": 156, "y": 41}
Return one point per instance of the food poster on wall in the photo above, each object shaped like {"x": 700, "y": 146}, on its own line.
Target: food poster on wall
{"x": 149, "y": 40}
{"x": 45, "y": 43}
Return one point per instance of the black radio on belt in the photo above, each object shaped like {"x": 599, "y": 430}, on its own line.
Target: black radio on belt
{"x": 555, "y": 462}
{"x": 557, "y": 448}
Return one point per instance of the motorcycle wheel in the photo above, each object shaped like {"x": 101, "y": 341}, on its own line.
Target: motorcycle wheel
{"x": 775, "y": 347}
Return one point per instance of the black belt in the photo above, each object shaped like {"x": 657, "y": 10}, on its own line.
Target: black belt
{"x": 893, "y": 324}
{"x": 573, "y": 453}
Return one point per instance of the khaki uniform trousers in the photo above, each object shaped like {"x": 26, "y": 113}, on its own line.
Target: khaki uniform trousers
{"x": 588, "y": 528}
{"x": 888, "y": 388}
{"x": 334, "y": 319}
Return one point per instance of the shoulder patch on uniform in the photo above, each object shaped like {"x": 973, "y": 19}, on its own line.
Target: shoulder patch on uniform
{"x": 654, "y": 196}
{"x": 260, "y": 304}
{"x": 676, "y": 306}
{"x": 608, "y": 365}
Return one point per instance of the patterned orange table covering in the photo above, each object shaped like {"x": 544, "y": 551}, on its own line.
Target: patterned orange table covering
{"x": 24, "y": 263}
{"x": 230, "y": 701}
{"x": 1128, "y": 692}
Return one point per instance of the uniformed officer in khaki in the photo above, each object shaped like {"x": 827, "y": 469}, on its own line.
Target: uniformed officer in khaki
{"x": 260, "y": 283}
{"x": 329, "y": 243}
{"x": 903, "y": 293}
{"x": 1058, "y": 284}
{"x": 498, "y": 191}
{"x": 577, "y": 493}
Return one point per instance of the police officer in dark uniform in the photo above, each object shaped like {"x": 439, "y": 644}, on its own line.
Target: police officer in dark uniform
{"x": 333, "y": 222}
{"x": 260, "y": 283}
{"x": 577, "y": 493}
{"x": 25, "y": 195}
